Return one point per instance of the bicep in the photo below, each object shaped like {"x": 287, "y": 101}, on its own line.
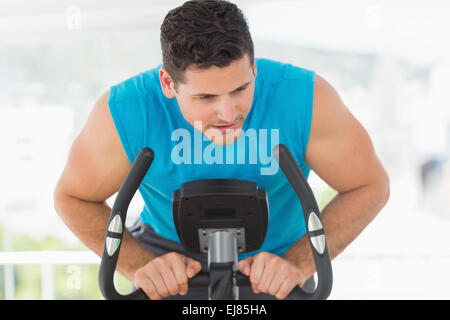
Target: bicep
{"x": 340, "y": 150}
{"x": 96, "y": 163}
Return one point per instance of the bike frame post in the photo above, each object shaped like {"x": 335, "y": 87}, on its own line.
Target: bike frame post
{"x": 222, "y": 259}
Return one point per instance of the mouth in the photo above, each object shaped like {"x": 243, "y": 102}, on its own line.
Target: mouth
{"x": 223, "y": 128}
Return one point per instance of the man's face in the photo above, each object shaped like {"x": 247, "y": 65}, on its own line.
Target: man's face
{"x": 215, "y": 101}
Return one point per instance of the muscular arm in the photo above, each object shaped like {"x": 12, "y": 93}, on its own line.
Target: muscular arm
{"x": 341, "y": 153}
{"x": 95, "y": 169}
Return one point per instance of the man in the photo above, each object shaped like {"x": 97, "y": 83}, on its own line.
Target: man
{"x": 211, "y": 84}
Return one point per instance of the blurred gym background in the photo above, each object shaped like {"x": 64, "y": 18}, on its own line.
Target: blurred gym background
{"x": 388, "y": 60}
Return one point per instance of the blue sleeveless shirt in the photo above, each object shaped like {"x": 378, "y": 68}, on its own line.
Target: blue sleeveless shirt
{"x": 281, "y": 112}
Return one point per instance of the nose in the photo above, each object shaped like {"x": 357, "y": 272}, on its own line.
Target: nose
{"x": 226, "y": 111}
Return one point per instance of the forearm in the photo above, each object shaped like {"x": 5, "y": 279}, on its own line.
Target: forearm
{"x": 344, "y": 218}
{"x": 88, "y": 221}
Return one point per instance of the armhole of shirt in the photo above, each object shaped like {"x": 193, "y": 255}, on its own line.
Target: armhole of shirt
{"x": 308, "y": 110}
{"x": 115, "y": 114}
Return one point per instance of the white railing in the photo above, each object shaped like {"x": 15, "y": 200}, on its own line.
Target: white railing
{"x": 46, "y": 259}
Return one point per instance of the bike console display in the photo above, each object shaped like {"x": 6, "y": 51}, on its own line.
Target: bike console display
{"x": 203, "y": 207}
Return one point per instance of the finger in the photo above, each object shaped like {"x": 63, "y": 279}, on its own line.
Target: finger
{"x": 245, "y": 265}
{"x": 166, "y": 269}
{"x": 192, "y": 267}
{"x": 256, "y": 273}
{"x": 179, "y": 272}
{"x": 277, "y": 280}
{"x": 144, "y": 282}
{"x": 286, "y": 287}
{"x": 266, "y": 278}
{"x": 154, "y": 271}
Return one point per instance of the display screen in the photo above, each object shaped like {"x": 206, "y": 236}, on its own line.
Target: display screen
{"x": 220, "y": 213}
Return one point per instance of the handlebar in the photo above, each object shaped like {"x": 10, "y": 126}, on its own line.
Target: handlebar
{"x": 116, "y": 225}
{"x": 313, "y": 222}
{"x": 202, "y": 279}
{"x": 288, "y": 165}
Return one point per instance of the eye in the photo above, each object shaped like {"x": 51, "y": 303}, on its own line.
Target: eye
{"x": 205, "y": 97}
{"x": 239, "y": 90}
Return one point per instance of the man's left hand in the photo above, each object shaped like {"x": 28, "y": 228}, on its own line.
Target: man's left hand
{"x": 271, "y": 274}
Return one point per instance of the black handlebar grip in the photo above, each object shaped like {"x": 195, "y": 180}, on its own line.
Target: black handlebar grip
{"x": 296, "y": 294}
{"x": 313, "y": 222}
{"x": 116, "y": 226}
{"x": 202, "y": 280}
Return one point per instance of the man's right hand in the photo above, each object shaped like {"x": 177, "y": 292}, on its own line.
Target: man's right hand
{"x": 166, "y": 275}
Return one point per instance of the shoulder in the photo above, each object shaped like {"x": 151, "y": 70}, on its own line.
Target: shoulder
{"x": 137, "y": 86}
{"x": 328, "y": 109}
{"x": 275, "y": 71}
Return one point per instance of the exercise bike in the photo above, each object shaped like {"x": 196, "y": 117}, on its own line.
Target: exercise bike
{"x": 221, "y": 218}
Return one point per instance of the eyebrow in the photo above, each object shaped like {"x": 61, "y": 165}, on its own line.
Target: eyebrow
{"x": 213, "y": 95}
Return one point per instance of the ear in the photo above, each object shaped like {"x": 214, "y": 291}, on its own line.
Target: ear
{"x": 167, "y": 83}
{"x": 255, "y": 71}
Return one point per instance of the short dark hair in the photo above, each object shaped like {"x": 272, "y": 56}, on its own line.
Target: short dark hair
{"x": 204, "y": 33}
